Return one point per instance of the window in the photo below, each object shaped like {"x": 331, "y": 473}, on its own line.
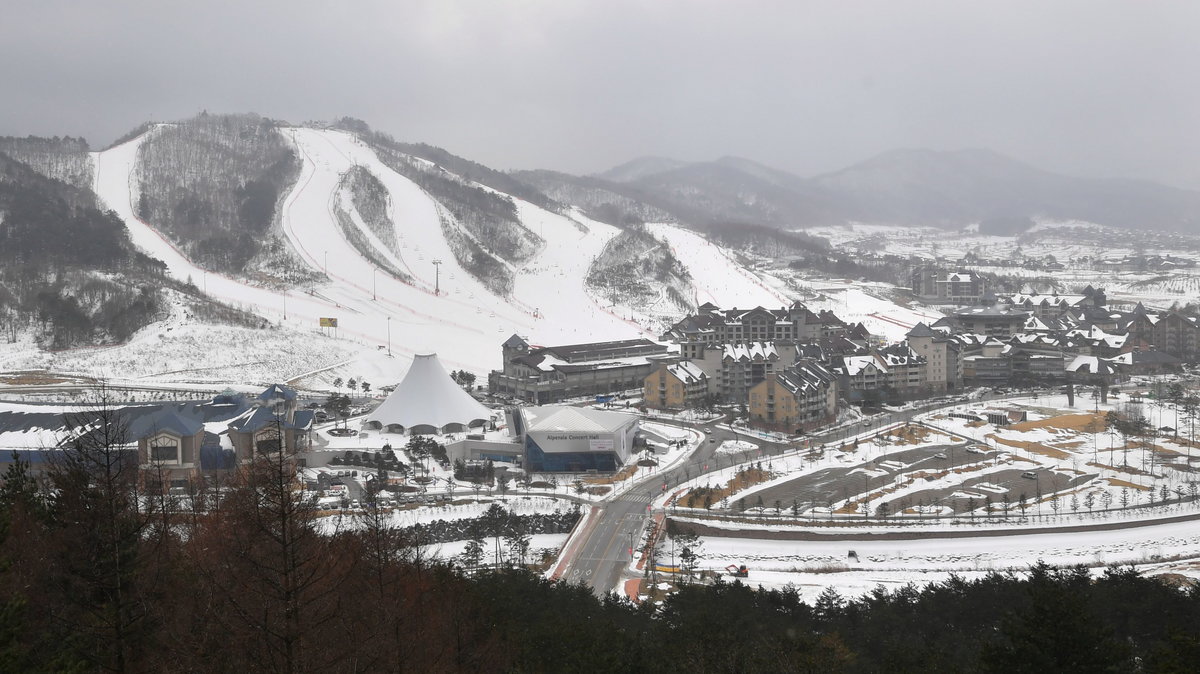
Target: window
{"x": 164, "y": 450}
{"x": 267, "y": 441}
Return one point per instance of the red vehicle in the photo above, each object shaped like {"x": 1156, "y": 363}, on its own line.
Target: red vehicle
{"x": 737, "y": 571}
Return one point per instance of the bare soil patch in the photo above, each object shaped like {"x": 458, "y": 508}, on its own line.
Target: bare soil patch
{"x": 1032, "y": 447}
{"x": 743, "y": 480}
{"x": 1092, "y": 422}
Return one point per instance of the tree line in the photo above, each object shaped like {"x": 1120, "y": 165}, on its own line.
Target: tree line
{"x": 240, "y": 573}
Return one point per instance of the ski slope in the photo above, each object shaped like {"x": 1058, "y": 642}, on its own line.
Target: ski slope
{"x": 716, "y": 276}
{"x": 443, "y": 309}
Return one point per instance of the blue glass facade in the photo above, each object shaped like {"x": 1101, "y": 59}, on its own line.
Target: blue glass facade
{"x": 539, "y": 461}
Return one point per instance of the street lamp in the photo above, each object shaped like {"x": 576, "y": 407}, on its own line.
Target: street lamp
{"x": 437, "y": 268}
{"x": 327, "y": 263}
{"x": 389, "y": 331}
{"x": 374, "y": 273}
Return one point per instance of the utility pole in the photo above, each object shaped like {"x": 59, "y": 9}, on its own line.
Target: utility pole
{"x": 437, "y": 268}
{"x": 374, "y": 273}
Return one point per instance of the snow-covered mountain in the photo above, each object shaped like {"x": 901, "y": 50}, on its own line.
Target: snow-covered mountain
{"x": 383, "y": 253}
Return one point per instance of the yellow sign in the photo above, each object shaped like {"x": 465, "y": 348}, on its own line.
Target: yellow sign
{"x": 328, "y": 322}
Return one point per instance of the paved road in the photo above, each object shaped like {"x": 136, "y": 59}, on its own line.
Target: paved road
{"x": 600, "y": 558}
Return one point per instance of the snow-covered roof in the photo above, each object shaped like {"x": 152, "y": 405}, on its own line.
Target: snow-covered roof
{"x": 856, "y": 364}
{"x": 277, "y": 392}
{"x": 958, "y": 277}
{"x": 428, "y": 397}
{"x": 257, "y": 418}
{"x": 806, "y": 378}
{"x": 687, "y": 372}
{"x": 1035, "y": 299}
{"x": 750, "y": 351}
{"x": 576, "y": 419}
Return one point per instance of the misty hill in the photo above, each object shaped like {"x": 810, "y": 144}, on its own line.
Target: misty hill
{"x": 604, "y": 200}
{"x": 953, "y": 188}
{"x": 917, "y": 187}
{"x": 640, "y": 168}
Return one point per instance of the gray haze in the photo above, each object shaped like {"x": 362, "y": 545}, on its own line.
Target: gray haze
{"x": 1087, "y": 88}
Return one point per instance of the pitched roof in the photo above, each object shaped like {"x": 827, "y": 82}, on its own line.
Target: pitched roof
{"x": 921, "y": 330}
{"x": 255, "y": 419}
{"x": 687, "y": 372}
{"x": 515, "y": 342}
{"x": 750, "y": 351}
{"x": 805, "y": 378}
{"x": 277, "y": 392}
{"x": 167, "y": 420}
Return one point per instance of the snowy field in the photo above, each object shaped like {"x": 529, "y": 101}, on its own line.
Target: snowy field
{"x": 812, "y": 566}
{"x": 538, "y": 545}
{"x": 1059, "y": 466}
{"x": 1081, "y": 471}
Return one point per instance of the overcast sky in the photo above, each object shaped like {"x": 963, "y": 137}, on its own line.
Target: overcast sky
{"x": 1085, "y": 88}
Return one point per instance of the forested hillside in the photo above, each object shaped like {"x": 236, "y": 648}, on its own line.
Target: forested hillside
{"x": 64, "y": 159}
{"x": 94, "y": 576}
{"x": 68, "y": 273}
{"x": 465, "y": 168}
{"x": 362, "y": 213}
{"x": 212, "y": 184}
{"x": 636, "y": 269}
{"x": 481, "y": 226}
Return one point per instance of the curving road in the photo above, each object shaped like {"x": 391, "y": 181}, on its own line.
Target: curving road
{"x": 598, "y": 554}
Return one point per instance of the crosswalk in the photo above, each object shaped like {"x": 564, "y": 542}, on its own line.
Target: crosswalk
{"x": 638, "y": 496}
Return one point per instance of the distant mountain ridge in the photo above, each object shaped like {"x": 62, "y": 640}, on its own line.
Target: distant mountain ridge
{"x": 902, "y": 187}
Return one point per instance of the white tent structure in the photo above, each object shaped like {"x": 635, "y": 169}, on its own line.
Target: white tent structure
{"x": 427, "y": 401}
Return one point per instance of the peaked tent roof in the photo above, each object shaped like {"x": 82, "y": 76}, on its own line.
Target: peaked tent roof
{"x": 428, "y": 397}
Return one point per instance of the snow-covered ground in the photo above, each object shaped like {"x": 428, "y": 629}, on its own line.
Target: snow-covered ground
{"x": 1062, "y": 463}
{"x": 538, "y": 543}
{"x": 716, "y": 275}
{"x": 1059, "y": 444}
{"x": 815, "y": 565}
